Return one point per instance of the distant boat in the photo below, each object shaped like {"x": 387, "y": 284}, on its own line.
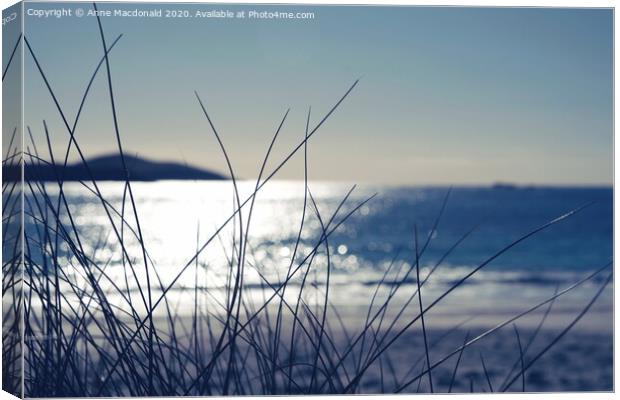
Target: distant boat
{"x": 504, "y": 186}
{"x": 110, "y": 168}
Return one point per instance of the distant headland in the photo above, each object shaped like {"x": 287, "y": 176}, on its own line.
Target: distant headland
{"x": 110, "y": 168}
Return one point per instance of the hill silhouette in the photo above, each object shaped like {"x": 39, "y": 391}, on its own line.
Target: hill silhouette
{"x": 110, "y": 168}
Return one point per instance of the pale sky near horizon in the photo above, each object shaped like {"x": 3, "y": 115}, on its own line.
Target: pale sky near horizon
{"x": 447, "y": 95}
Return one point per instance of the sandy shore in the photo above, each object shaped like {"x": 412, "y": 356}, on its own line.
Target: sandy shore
{"x": 582, "y": 360}
{"x": 578, "y": 362}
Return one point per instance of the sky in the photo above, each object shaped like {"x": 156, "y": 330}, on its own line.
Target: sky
{"x": 462, "y": 96}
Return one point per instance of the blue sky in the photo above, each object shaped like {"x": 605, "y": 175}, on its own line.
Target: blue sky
{"x": 447, "y": 95}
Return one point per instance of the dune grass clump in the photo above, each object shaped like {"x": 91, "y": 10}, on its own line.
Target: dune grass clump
{"x": 90, "y": 333}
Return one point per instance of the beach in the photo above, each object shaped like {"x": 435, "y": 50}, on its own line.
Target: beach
{"x": 349, "y": 320}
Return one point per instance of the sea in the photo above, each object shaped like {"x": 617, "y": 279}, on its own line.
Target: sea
{"x": 193, "y": 237}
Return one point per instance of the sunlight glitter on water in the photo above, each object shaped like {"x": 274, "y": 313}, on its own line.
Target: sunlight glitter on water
{"x": 179, "y": 217}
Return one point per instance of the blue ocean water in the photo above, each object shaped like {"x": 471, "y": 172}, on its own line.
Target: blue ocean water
{"x": 498, "y": 216}
{"x": 179, "y": 216}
